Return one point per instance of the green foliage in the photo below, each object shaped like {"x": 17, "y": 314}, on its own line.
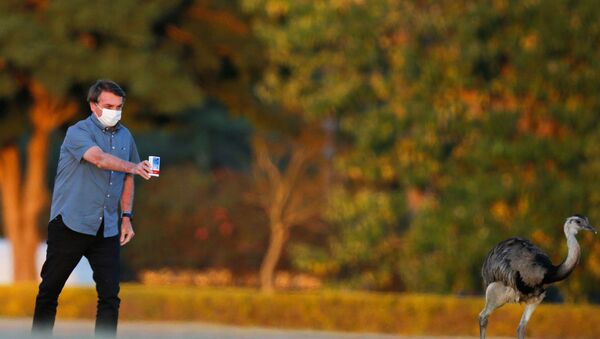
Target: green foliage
{"x": 206, "y": 136}
{"x": 312, "y": 47}
{"x": 66, "y": 45}
{"x": 323, "y": 65}
{"x": 354, "y": 250}
{"x": 520, "y": 167}
{"x": 470, "y": 121}
{"x": 456, "y": 123}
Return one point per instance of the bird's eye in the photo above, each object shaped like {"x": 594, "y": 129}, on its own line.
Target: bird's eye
{"x": 578, "y": 222}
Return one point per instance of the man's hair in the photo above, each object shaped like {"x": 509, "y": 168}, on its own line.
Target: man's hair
{"x": 104, "y": 85}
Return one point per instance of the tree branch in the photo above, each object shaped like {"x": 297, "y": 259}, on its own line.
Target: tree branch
{"x": 264, "y": 162}
{"x": 48, "y": 112}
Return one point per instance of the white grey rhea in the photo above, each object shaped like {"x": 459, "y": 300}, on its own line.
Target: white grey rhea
{"x": 516, "y": 270}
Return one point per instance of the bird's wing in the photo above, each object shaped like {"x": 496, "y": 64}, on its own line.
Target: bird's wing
{"x": 531, "y": 263}
{"x": 517, "y": 263}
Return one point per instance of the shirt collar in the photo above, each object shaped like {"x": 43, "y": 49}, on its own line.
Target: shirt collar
{"x": 100, "y": 126}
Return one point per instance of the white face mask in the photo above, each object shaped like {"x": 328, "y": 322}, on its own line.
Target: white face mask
{"x": 109, "y": 117}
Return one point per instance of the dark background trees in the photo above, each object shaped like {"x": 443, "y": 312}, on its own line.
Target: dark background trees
{"x": 439, "y": 128}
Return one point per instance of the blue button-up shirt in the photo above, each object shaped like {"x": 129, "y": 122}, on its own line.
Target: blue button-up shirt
{"x": 85, "y": 195}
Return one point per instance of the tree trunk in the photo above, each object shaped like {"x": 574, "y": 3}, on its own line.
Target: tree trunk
{"x": 10, "y": 181}
{"x": 23, "y": 265}
{"x": 279, "y": 235}
{"x": 35, "y": 198}
{"x": 23, "y": 200}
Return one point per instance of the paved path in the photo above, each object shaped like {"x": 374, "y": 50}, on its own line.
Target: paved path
{"x": 76, "y": 329}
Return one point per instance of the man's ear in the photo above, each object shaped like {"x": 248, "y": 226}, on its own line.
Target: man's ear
{"x": 93, "y": 108}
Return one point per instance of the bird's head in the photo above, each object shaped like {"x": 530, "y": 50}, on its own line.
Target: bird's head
{"x": 577, "y": 222}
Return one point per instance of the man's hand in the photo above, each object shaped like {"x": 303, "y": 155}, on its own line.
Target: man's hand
{"x": 108, "y": 161}
{"x": 126, "y": 231}
{"x": 143, "y": 169}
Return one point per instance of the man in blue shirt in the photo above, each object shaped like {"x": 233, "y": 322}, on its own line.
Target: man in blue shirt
{"x": 98, "y": 160}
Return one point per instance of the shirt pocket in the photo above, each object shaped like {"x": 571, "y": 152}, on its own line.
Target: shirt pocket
{"x": 122, "y": 151}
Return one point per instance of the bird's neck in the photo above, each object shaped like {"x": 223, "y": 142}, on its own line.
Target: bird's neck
{"x": 568, "y": 265}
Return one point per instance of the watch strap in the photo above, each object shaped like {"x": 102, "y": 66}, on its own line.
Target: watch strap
{"x": 128, "y": 215}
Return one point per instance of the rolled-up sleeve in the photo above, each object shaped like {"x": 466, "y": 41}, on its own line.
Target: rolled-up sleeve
{"x": 134, "y": 156}
{"x": 78, "y": 141}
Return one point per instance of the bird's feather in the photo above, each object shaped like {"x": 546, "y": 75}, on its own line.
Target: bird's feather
{"x": 517, "y": 263}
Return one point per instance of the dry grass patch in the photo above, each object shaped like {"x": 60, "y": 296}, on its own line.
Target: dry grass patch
{"x": 409, "y": 314}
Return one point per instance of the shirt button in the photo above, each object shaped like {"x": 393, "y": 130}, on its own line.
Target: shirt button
{"x": 110, "y": 183}
{"x": 108, "y": 195}
{"x": 100, "y": 218}
{"x": 113, "y": 147}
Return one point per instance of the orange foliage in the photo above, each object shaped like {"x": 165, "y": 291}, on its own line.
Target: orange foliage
{"x": 415, "y": 199}
{"x": 88, "y": 40}
{"x": 593, "y": 263}
{"x": 179, "y": 35}
{"x": 475, "y": 101}
{"x": 534, "y": 120}
{"x": 38, "y": 4}
{"x": 501, "y": 211}
{"x": 540, "y": 238}
{"x": 528, "y": 175}
{"x": 224, "y": 278}
{"x": 505, "y": 101}
{"x": 530, "y": 41}
{"x": 220, "y": 18}
{"x": 542, "y": 127}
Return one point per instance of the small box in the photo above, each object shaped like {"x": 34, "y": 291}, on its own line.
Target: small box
{"x": 155, "y": 163}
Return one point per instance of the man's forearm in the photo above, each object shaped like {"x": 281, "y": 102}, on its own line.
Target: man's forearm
{"x": 127, "y": 195}
{"x": 108, "y": 161}
{"x": 113, "y": 163}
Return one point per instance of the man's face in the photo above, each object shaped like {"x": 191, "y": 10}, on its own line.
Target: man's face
{"x": 106, "y": 100}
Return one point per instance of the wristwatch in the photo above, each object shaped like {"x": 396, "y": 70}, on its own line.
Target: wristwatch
{"x": 128, "y": 215}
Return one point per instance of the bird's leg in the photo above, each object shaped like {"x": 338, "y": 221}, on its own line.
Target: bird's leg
{"x": 483, "y": 321}
{"x": 527, "y": 315}
{"x": 496, "y": 295}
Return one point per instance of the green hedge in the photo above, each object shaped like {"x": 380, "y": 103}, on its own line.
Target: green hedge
{"x": 409, "y": 314}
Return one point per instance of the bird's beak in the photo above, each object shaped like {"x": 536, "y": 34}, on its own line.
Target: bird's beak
{"x": 590, "y": 228}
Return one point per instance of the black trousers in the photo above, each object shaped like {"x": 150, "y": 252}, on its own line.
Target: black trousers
{"x": 65, "y": 249}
